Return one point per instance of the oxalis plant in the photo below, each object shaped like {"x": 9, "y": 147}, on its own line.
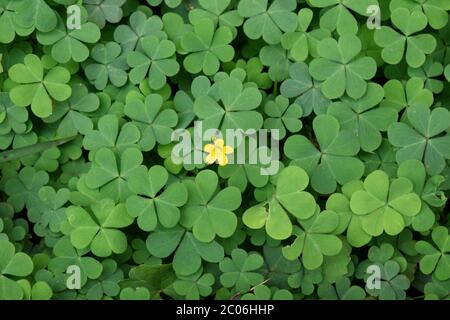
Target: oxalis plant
{"x": 224, "y": 149}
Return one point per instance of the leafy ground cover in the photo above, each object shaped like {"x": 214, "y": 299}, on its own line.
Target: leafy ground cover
{"x": 93, "y": 204}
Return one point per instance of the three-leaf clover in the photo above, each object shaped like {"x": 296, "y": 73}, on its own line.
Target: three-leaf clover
{"x": 428, "y": 189}
{"x": 436, "y": 259}
{"x": 239, "y": 271}
{"x": 99, "y": 231}
{"x": 208, "y": 212}
{"x": 435, "y": 10}
{"x": 338, "y": 17}
{"x": 301, "y": 42}
{"x": 55, "y": 214}
{"x": 314, "y": 239}
{"x": 334, "y": 162}
{"x": 69, "y": 44}
{"x": 383, "y": 203}
{"x": 110, "y": 134}
{"x": 207, "y": 47}
{"x": 66, "y": 255}
{"x": 305, "y": 89}
{"x": 392, "y": 284}
{"x": 12, "y": 263}
{"x": 108, "y": 66}
{"x": 424, "y": 138}
{"x": 73, "y": 114}
{"x": 9, "y": 10}
{"x": 24, "y": 190}
{"x": 101, "y": 11}
{"x": 237, "y": 108}
{"x": 398, "y": 95}
{"x": 140, "y": 26}
{"x": 341, "y": 291}
{"x": 151, "y": 203}
{"x": 361, "y": 117}
{"x": 110, "y": 172}
{"x": 188, "y": 251}
{"x": 268, "y": 22}
{"x": 394, "y": 44}
{"x": 340, "y": 68}
{"x": 289, "y": 197}
{"x": 195, "y": 286}
{"x": 154, "y": 122}
{"x": 36, "y": 87}
{"x": 216, "y": 11}
{"x": 155, "y": 61}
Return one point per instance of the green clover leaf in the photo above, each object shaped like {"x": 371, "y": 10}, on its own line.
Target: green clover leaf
{"x": 23, "y": 190}
{"x": 110, "y": 134}
{"x": 276, "y": 58}
{"x": 268, "y": 23}
{"x": 342, "y": 291}
{"x": 155, "y": 61}
{"x": 73, "y": 114}
{"x": 111, "y": 172}
{"x": 140, "y": 293}
{"x": 154, "y": 122}
{"x": 102, "y": 11}
{"x": 216, "y": 10}
{"x": 394, "y": 44}
{"x": 435, "y": 10}
{"x": 254, "y": 71}
{"x": 436, "y": 259}
{"x": 36, "y": 87}
{"x": 338, "y": 17}
{"x": 447, "y": 73}
{"x": 69, "y": 44}
{"x": 13, "y": 121}
{"x": 393, "y": 284}
{"x": 106, "y": 284}
{"x": 130, "y": 36}
{"x": 306, "y": 90}
{"x": 423, "y": 139}
{"x": 55, "y": 214}
{"x": 262, "y": 292}
{"x": 99, "y": 230}
{"x": 361, "y": 117}
{"x": 188, "y": 251}
{"x": 66, "y": 255}
{"x": 428, "y": 72}
{"x": 290, "y": 198}
{"x": 35, "y": 14}
{"x": 12, "y": 264}
{"x": 428, "y": 189}
{"x": 313, "y": 240}
{"x": 383, "y": 204}
{"x": 399, "y": 96}
{"x": 108, "y": 65}
{"x": 302, "y": 42}
{"x": 151, "y": 204}
{"x": 239, "y": 270}
{"x": 9, "y": 10}
{"x": 253, "y": 172}
{"x": 340, "y": 68}
{"x": 437, "y": 290}
{"x": 334, "y": 163}
{"x": 207, "y": 47}
{"x": 195, "y": 286}
{"x": 237, "y": 108}
{"x": 208, "y": 212}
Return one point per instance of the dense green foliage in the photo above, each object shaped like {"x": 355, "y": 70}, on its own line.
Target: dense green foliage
{"x": 88, "y": 178}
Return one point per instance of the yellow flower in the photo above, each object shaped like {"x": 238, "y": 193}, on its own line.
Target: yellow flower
{"x": 217, "y": 152}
